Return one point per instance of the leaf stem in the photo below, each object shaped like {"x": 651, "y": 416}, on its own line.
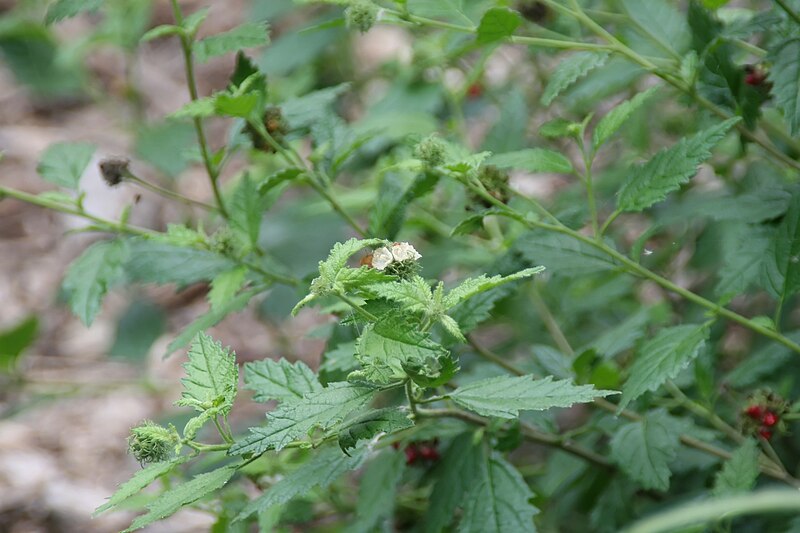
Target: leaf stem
{"x": 529, "y": 432}
{"x": 224, "y": 434}
{"x": 412, "y": 402}
{"x": 357, "y": 308}
{"x": 789, "y": 11}
{"x": 191, "y": 82}
{"x": 166, "y": 193}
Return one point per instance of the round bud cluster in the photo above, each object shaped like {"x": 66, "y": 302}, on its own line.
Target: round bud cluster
{"x": 151, "y": 443}
{"x": 495, "y": 181}
{"x": 275, "y": 125}
{"x": 114, "y": 170}
{"x": 415, "y": 452}
{"x": 361, "y": 14}
{"x": 763, "y": 415}
{"x": 431, "y": 151}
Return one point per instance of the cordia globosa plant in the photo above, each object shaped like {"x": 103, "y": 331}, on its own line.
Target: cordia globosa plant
{"x": 560, "y": 244}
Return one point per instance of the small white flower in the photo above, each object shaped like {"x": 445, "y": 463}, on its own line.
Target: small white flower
{"x": 381, "y": 258}
{"x": 403, "y": 251}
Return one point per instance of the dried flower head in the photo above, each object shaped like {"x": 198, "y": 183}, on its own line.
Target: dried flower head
{"x": 114, "y": 170}
{"x": 381, "y": 258}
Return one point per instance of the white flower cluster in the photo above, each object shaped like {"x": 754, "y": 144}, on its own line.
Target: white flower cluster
{"x": 400, "y": 251}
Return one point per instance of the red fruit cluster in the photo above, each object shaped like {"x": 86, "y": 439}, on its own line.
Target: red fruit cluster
{"x": 475, "y": 90}
{"x": 754, "y": 75}
{"x": 766, "y": 418}
{"x": 426, "y": 451}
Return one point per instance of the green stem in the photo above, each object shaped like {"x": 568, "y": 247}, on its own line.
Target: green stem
{"x": 412, "y": 403}
{"x": 166, "y": 193}
{"x": 491, "y": 357}
{"x": 529, "y": 432}
{"x": 224, "y": 434}
{"x": 104, "y": 224}
{"x": 357, "y": 308}
{"x": 206, "y": 447}
{"x": 704, "y": 413}
{"x": 789, "y": 11}
{"x": 191, "y": 82}
{"x": 293, "y": 158}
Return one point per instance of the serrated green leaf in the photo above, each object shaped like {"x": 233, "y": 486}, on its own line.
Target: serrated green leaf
{"x": 225, "y": 286}
{"x": 533, "y": 160}
{"x": 377, "y": 491}
{"x": 559, "y": 127}
{"x": 341, "y": 358}
{"x": 456, "y": 476}
{"x": 568, "y": 71}
{"x": 781, "y": 269}
{"x": 279, "y": 380}
{"x": 335, "y": 276}
{"x": 785, "y": 78}
{"x": 499, "y": 501}
{"x": 193, "y": 490}
{"x": 139, "y": 481}
{"x": 277, "y": 178}
{"x": 662, "y": 358}
{"x": 615, "y": 118}
{"x": 100, "y": 267}
{"x": 325, "y": 467}
{"x": 169, "y": 145}
{"x": 414, "y": 294}
{"x": 212, "y": 376}
{"x": 622, "y": 336}
{"x": 451, "y": 326}
{"x": 304, "y": 111}
{"x": 644, "y": 449}
{"x": 661, "y": 22}
{"x": 247, "y": 35}
{"x": 14, "y": 341}
{"x": 473, "y": 222}
{"x": 64, "y": 163}
{"x": 207, "y": 320}
{"x": 740, "y": 472}
{"x": 670, "y": 168}
{"x": 163, "y": 30}
{"x": 473, "y": 286}
{"x": 200, "y": 108}
{"x": 743, "y": 262}
{"x": 196, "y": 423}
{"x": 385, "y": 346}
{"x": 150, "y": 261}
{"x": 246, "y": 210}
{"x": 506, "y": 396}
{"x": 496, "y": 24}
{"x": 64, "y": 9}
{"x": 441, "y": 9}
{"x": 294, "y": 420}
{"x": 564, "y": 255}
{"x": 369, "y": 424}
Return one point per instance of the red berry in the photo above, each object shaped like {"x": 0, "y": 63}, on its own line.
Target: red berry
{"x": 429, "y": 452}
{"x": 754, "y": 411}
{"x": 754, "y": 76}
{"x": 770, "y": 419}
{"x": 411, "y": 454}
{"x": 765, "y": 433}
{"x": 396, "y": 445}
{"x": 475, "y": 90}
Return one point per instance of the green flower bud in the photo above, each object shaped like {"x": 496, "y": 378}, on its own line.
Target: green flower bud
{"x": 403, "y": 269}
{"x": 361, "y": 14}
{"x": 151, "y": 443}
{"x": 431, "y": 151}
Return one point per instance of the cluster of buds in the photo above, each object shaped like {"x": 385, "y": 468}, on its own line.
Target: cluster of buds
{"x": 495, "y": 181}
{"x": 151, "y": 443}
{"x": 275, "y": 125}
{"x": 361, "y": 14}
{"x": 756, "y": 76}
{"x": 420, "y": 451}
{"x": 431, "y": 151}
{"x": 763, "y": 415}
{"x": 399, "y": 259}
